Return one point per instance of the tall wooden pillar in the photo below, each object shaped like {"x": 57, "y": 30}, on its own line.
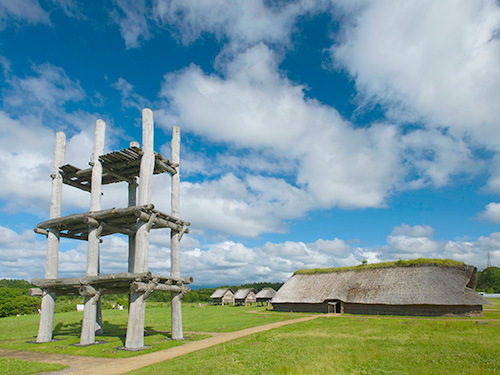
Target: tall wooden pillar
{"x": 137, "y": 310}
{"x": 132, "y": 201}
{"x": 175, "y": 246}
{"x": 52, "y": 261}
{"x": 89, "y": 323}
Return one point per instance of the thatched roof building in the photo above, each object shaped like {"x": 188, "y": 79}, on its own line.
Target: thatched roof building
{"x": 265, "y": 295}
{"x": 244, "y": 296}
{"x": 428, "y": 287}
{"x": 222, "y": 296}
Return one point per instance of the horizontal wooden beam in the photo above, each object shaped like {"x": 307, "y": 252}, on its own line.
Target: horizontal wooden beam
{"x": 161, "y": 223}
{"x": 97, "y": 215}
{"x": 84, "y": 173}
{"x": 165, "y": 166}
{"x": 114, "y": 229}
{"x": 33, "y": 292}
{"x": 65, "y": 235}
{"x": 166, "y": 161}
{"x": 87, "y": 291}
{"x": 76, "y": 282}
{"x": 140, "y": 287}
{"x": 117, "y": 175}
{"x": 70, "y": 182}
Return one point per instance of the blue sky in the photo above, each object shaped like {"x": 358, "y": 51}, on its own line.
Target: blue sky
{"x": 314, "y": 133}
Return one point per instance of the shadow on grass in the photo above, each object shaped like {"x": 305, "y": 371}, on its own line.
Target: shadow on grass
{"x": 74, "y": 329}
{"x": 110, "y": 330}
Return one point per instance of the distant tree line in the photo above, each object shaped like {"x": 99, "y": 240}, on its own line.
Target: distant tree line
{"x": 14, "y": 299}
{"x": 488, "y": 280}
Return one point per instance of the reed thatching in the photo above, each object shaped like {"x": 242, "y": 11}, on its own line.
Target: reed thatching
{"x": 243, "y": 294}
{"x": 419, "y": 284}
{"x": 219, "y": 293}
{"x": 265, "y": 294}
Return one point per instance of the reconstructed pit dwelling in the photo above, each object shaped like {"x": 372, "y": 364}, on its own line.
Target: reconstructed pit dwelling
{"x": 135, "y": 221}
{"x": 420, "y": 287}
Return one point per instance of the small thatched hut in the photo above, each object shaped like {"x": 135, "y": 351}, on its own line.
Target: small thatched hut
{"x": 265, "y": 296}
{"x": 222, "y": 296}
{"x": 425, "y": 287}
{"x": 244, "y": 296}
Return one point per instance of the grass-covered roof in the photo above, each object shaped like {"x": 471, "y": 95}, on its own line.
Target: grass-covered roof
{"x": 412, "y": 282}
{"x": 421, "y": 262}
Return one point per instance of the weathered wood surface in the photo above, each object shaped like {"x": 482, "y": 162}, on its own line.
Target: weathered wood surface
{"x": 137, "y": 307}
{"x": 132, "y": 201}
{"x": 87, "y": 290}
{"x": 90, "y": 318}
{"x": 99, "y": 215}
{"x": 159, "y": 222}
{"x": 136, "y": 221}
{"x": 175, "y": 236}
{"x": 118, "y": 166}
{"x": 35, "y": 292}
{"x": 144, "y": 287}
{"x": 116, "y": 279}
{"x": 94, "y": 280}
{"x": 53, "y": 235}
{"x": 115, "y": 220}
{"x": 65, "y": 235}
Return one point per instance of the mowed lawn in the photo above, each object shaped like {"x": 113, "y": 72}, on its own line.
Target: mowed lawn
{"x": 13, "y": 366}
{"x": 16, "y": 332}
{"x": 348, "y": 344}
{"x": 352, "y": 345}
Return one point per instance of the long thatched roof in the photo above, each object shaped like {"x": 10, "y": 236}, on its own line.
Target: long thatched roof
{"x": 219, "y": 293}
{"x": 416, "y": 284}
{"x": 266, "y": 293}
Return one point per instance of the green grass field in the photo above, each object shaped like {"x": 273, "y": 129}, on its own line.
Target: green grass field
{"x": 349, "y": 344}
{"x": 495, "y": 304}
{"x": 16, "y": 332}
{"x": 352, "y": 345}
{"x": 13, "y": 366}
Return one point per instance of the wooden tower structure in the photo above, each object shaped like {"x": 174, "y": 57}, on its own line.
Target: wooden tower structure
{"x": 136, "y": 220}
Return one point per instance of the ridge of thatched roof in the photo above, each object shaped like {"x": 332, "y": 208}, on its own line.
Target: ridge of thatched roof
{"x": 420, "y": 262}
{"x": 430, "y": 285}
{"x": 243, "y": 293}
{"x": 219, "y": 293}
{"x": 266, "y": 293}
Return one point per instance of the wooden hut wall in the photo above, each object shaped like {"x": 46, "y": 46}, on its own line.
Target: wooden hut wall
{"x": 251, "y": 298}
{"x": 373, "y": 309}
{"x": 228, "y": 297}
{"x": 415, "y": 310}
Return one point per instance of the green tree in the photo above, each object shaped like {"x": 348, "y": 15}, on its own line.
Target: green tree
{"x": 489, "y": 280}
{"x": 14, "y": 298}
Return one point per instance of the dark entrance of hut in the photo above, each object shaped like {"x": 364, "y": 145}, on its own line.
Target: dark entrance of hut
{"x": 334, "y": 307}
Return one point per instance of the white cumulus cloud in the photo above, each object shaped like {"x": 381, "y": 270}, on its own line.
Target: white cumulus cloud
{"x": 491, "y": 212}
{"x": 430, "y": 61}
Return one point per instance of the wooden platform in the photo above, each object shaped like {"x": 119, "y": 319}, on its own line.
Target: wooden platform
{"x": 111, "y": 221}
{"x": 117, "y": 166}
{"x": 117, "y": 283}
